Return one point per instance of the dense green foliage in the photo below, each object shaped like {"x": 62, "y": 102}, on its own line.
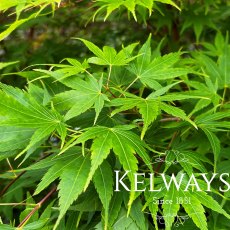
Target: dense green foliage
{"x": 93, "y": 89}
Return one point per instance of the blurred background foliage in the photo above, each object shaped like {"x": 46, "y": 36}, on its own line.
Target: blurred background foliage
{"x": 47, "y": 38}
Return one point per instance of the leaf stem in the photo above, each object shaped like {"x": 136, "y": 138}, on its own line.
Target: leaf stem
{"x": 8, "y": 161}
{"x": 109, "y": 75}
{"x": 78, "y": 219}
{"x": 131, "y": 83}
{"x": 223, "y": 97}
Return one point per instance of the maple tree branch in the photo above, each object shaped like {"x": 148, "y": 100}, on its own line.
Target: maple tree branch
{"x": 38, "y": 205}
{"x": 18, "y": 176}
{"x": 170, "y": 119}
{"x": 11, "y": 183}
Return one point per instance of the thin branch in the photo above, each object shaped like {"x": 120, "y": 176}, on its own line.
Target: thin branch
{"x": 16, "y": 204}
{"x": 131, "y": 83}
{"x": 170, "y": 119}
{"x": 38, "y": 205}
{"x": 18, "y": 176}
{"x": 109, "y": 75}
{"x": 11, "y": 183}
{"x": 113, "y": 95}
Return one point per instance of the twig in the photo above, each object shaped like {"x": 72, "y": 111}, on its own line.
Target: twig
{"x": 16, "y": 204}
{"x": 12, "y": 182}
{"x": 38, "y": 205}
{"x": 170, "y": 119}
{"x": 108, "y": 89}
{"x": 18, "y": 176}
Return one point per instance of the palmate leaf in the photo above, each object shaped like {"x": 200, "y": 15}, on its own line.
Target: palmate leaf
{"x": 130, "y": 5}
{"x": 100, "y": 148}
{"x": 198, "y": 20}
{"x": 49, "y": 161}
{"x": 54, "y": 172}
{"x": 109, "y": 56}
{"x": 18, "y": 109}
{"x": 163, "y": 90}
{"x": 207, "y": 90}
{"x": 86, "y": 94}
{"x": 104, "y": 185}
{"x": 148, "y": 108}
{"x": 56, "y": 166}
{"x": 124, "y": 144}
{"x": 159, "y": 68}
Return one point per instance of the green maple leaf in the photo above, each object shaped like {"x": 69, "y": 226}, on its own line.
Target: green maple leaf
{"x": 198, "y": 20}
{"x": 14, "y": 138}
{"x": 149, "y": 70}
{"x": 218, "y": 71}
{"x": 86, "y": 94}
{"x": 56, "y": 170}
{"x": 109, "y": 56}
{"x": 19, "y": 109}
{"x": 124, "y": 144}
{"x": 130, "y": 5}
{"x": 65, "y": 71}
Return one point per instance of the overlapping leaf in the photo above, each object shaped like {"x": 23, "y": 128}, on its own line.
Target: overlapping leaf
{"x": 149, "y": 70}
{"x": 18, "y": 109}
{"x": 87, "y": 94}
{"x": 104, "y": 186}
{"x": 124, "y": 144}
{"x": 108, "y": 55}
{"x": 130, "y": 5}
